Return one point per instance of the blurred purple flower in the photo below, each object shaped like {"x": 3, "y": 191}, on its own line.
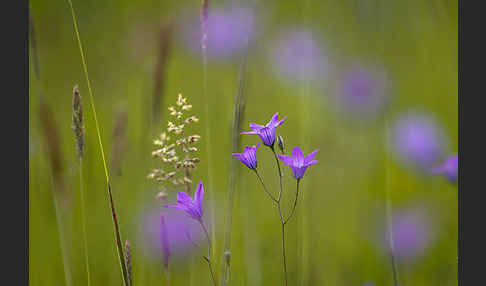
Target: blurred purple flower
{"x": 417, "y": 140}
{"x": 297, "y": 56}
{"x": 369, "y": 284}
{"x": 228, "y": 29}
{"x": 449, "y": 168}
{"x": 363, "y": 90}
{"x": 167, "y": 233}
{"x": 267, "y": 132}
{"x": 411, "y": 233}
{"x": 248, "y": 157}
{"x": 192, "y": 207}
{"x": 298, "y": 162}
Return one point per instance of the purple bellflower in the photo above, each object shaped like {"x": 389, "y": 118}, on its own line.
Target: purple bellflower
{"x": 297, "y": 56}
{"x": 298, "y": 162}
{"x": 412, "y": 233}
{"x": 449, "y": 168}
{"x": 267, "y": 132}
{"x": 418, "y": 140}
{"x": 192, "y": 207}
{"x": 169, "y": 233}
{"x": 248, "y": 157}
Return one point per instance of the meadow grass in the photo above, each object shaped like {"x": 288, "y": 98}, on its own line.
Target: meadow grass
{"x": 118, "y": 240}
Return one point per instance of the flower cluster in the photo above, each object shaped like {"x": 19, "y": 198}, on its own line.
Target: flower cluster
{"x": 297, "y": 162}
{"x": 175, "y": 149}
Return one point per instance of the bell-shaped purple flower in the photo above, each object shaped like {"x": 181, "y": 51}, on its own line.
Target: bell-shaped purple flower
{"x": 248, "y": 157}
{"x": 298, "y": 162}
{"x": 192, "y": 207}
{"x": 449, "y": 168}
{"x": 267, "y": 132}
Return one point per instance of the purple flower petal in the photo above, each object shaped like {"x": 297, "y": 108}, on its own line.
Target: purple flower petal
{"x": 256, "y": 127}
{"x": 183, "y": 198}
{"x": 310, "y": 157}
{"x": 248, "y": 132}
{"x": 298, "y": 156}
{"x": 273, "y": 121}
{"x": 286, "y": 159}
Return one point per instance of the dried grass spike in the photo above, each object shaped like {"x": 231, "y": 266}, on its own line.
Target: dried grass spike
{"x": 78, "y": 127}
{"x": 128, "y": 261}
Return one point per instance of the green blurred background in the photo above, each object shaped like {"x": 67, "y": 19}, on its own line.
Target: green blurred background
{"x": 333, "y": 238}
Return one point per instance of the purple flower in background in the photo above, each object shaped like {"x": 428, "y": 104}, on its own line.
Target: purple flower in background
{"x": 298, "y": 162}
{"x": 363, "y": 90}
{"x": 165, "y": 234}
{"x": 248, "y": 157}
{"x": 192, "y": 207}
{"x": 412, "y": 233}
{"x": 228, "y": 29}
{"x": 297, "y": 56}
{"x": 449, "y": 168}
{"x": 417, "y": 140}
{"x": 267, "y": 132}
{"x": 369, "y": 284}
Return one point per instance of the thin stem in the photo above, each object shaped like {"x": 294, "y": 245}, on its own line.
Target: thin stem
{"x": 83, "y": 220}
{"x": 295, "y": 203}
{"x": 239, "y": 107}
{"x": 204, "y": 35}
{"x": 280, "y": 175}
{"x": 282, "y": 221}
{"x": 389, "y": 211}
{"x": 283, "y": 243}
{"x": 208, "y": 258}
{"x": 167, "y": 277}
{"x": 188, "y": 185}
{"x": 264, "y": 187}
{"x": 121, "y": 255}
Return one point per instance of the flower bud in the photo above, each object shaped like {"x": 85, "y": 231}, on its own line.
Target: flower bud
{"x": 280, "y": 143}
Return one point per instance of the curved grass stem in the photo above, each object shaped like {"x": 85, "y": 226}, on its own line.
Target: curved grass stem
{"x": 83, "y": 220}
{"x": 389, "y": 210}
{"x": 121, "y": 255}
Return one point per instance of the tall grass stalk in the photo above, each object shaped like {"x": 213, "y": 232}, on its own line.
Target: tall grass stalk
{"x": 165, "y": 39}
{"x": 53, "y": 149}
{"x": 121, "y": 255}
{"x": 60, "y": 231}
{"x": 78, "y": 130}
{"x": 52, "y": 144}
{"x": 83, "y": 220}
{"x": 238, "y": 114}
{"x": 205, "y": 96}
{"x": 389, "y": 206}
